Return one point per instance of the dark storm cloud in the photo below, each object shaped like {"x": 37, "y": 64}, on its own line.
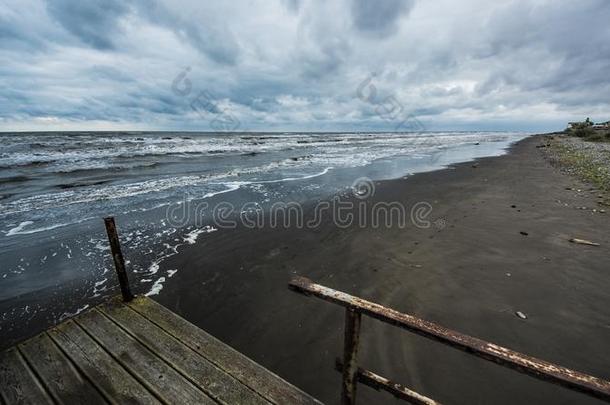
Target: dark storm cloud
{"x": 10, "y": 32}
{"x": 328, "y": 59}
{"x": 379, "y": 18}
{"x": 298, "y": 64}
{"x": 93, "y": 22}
{"x": 208, "y": 35}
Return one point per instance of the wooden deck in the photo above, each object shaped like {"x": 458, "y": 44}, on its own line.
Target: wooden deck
{"x": 138, "y": 352}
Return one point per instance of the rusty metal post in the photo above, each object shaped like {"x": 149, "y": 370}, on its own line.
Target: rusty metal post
{"x": 117, "y": 256}
{"x": 350, "y": 356}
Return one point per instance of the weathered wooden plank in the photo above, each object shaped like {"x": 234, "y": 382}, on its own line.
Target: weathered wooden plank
{"x": 269, "y": 385}
{"x": 112, "y": 380}
{"x": 214, "y": 381}
{"x": 18, "y": 385}
{"x": 154, "y": 373}
{"x": 117, "y": 256}
{"x": 56, "y": 372}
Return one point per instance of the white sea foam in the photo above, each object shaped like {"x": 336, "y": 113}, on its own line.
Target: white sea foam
{"x": 154, "y": 268}
{"x": 156, "y": 287}
{"x": 66, "y": 315}
{"x": 319, "y": 152}
{"x": 192, "y": 236}
{"x": 99, "y": 287}
{"x": 19, "y": 228}
{"x": 203, "y": 167}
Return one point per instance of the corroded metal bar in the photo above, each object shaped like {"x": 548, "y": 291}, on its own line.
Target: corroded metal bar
{"x": 350, "y": 356}
{"x": 532, "y": 366}
{"x": 117, "y": 256}
{"x": 378, "y": 382}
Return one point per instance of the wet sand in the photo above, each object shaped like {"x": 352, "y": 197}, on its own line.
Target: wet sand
{"x": 504, "y": 248}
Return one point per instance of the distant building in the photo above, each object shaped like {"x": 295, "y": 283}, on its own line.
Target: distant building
{"x": 602, "y": 125}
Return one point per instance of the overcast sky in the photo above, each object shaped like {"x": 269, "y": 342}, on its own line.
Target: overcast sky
{"x": 303, "y": 65}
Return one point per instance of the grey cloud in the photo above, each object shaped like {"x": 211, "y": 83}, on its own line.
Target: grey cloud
{"x": 292, "y": 5}
{"x": 93, "y": 22}
{"x": 379, "y": 18}
{"x": 111, "y": 73}
{"x": 298, "y": 65}
{"x": 209, "y": 36}
{"x": 327, "y": 59}
{"x": 219, "y": 46}
{"x": 11, "y": 32}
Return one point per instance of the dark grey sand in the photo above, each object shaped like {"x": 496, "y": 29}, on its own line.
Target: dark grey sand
{"x": 472, "y": 276}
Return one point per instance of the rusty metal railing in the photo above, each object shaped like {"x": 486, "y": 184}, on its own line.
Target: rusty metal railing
{"x": 355, "y": 307}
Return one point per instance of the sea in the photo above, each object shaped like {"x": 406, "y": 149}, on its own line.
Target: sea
{"x": 164, "y": 189}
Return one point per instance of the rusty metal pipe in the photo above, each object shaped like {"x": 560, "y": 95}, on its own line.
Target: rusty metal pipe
{"x": 531, "y": 366}
{"x": 350, "y": 356}
{"x": 378, "y": 382}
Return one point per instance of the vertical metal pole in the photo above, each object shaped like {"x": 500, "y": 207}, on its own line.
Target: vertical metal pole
{"x": 350, "y": 356}
{"x": 117, "y": 256}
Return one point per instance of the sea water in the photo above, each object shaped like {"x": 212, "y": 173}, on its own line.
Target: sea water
{"x": 56, "y": 187}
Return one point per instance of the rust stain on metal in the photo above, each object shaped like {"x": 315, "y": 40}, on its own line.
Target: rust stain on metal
{"x": 378, "y": 382}
{"x": 350, "y": 356}
{"x": 540, "y": 369}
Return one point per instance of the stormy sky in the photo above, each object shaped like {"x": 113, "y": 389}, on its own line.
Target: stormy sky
{"x": 289, "y": 65}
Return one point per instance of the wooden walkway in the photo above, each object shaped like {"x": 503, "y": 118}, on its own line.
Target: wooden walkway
{"x": 139, "y": 352}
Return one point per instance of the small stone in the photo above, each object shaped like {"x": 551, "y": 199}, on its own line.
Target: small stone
{"x": 521, "y": 315}
{"x": 524, "y": 233}
{"x": 602, "y": 211}
{"x": 508, "y": 274}
{"x": 513, "y": 206}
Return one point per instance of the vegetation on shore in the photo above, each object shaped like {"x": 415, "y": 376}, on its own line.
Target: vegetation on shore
{"x": 588, "y": 161}
{"x": 589, "y": 131}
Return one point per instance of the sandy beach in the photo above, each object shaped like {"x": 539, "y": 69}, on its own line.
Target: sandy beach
{"x": 503, "y": 247}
